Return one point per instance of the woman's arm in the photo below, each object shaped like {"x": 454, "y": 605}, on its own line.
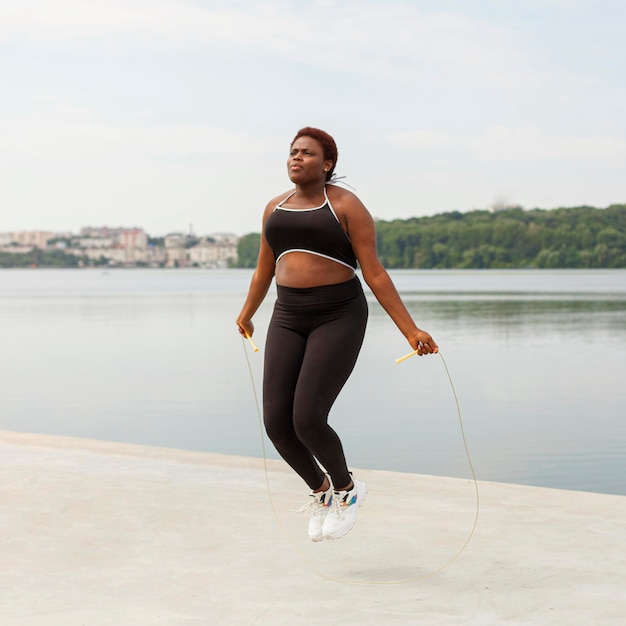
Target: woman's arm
{"x": 362, "y": 232}
{"x": 260, "y": 282}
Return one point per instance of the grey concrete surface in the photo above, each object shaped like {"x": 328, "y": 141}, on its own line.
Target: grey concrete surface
{"x": 96, "y": 533}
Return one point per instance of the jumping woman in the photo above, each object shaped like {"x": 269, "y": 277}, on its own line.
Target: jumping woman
{"x": 312, "y": 238}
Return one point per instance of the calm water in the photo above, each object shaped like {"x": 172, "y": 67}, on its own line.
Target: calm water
{"x": 153, "y": 357}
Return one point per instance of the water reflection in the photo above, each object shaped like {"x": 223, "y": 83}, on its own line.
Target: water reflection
{"x": 543, "y": 314}
{"x": 153, "y": 357}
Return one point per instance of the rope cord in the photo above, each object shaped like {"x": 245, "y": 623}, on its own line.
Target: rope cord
{"x": 304, "y": 558}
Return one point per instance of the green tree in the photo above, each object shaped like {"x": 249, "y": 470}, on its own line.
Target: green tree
{"x": 564, "y": 237}
{"x": 248, "y": 250}
{"x": 41, "y": 258}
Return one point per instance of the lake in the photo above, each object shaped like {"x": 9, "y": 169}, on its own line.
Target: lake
{"x": 153, "y": 357}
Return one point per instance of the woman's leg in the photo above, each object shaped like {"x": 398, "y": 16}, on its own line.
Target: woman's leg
{"x": 284, "y": 353}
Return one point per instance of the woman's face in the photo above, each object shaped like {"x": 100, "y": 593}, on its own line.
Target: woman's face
{"x": 306, "y": 161}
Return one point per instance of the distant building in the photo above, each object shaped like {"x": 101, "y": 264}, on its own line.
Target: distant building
{"x": 116, "y": 246}
{"x": 129, "y": 247}
{"x": 224, "y": 237}
{"x": 175, "y": 257}
{"x": 126, "y": 257}
{"x": 98, "y": 231}
{"x": 106, "y": 237}
{"x": 30, "y": 238}
{"x": 213, "y": 254}
{"x": 94, "y": 242}
{"x": 15, "y": 248}
{"x": 132, "y": 238}
{"x": 175, "y": 240}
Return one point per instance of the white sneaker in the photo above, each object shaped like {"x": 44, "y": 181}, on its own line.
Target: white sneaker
{"x": 317, "y": 510}
{"x": 343, "y": 509}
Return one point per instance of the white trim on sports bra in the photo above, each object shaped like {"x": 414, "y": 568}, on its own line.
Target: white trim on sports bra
{"x": 315, "y": 208}
{"x": 325, "y": 256}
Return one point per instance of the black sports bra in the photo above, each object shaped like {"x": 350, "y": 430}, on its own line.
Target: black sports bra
{"x": 316, "y": 231}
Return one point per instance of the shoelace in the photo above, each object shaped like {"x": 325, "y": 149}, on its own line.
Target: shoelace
{"x": 314, "y": 507}
{"x": 337, "y": 504}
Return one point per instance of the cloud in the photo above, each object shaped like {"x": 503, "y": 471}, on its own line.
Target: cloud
{"x": 424, "y": 139}
{"x": 396, "y": 39}
{"x": 68, "y": 168}
{"x": 69, "y": 133}
{"x": 522, "y": 144}
{"x": 159, "y": 22}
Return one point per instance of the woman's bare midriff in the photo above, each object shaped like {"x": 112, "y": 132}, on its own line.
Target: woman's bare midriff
{"x": 302, "y": 270}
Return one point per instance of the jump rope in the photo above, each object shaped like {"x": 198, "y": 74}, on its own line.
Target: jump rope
{"x": 288, "y": 536}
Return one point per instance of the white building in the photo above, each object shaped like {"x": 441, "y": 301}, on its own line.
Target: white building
{"x": 175, "y": 240}
{"x": 94, "y": 242}
{"x": 175, "y": 257}
{"x": 16, "y": 249}
{"x": 224, "y": 238}
{"x": 212, "y": 254}
{"x": 30, "y": 238}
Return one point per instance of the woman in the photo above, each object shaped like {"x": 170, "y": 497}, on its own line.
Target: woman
{"x": 312, "y": 238}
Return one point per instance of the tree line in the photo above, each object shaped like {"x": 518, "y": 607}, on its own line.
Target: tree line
{"x": 40, "y": 258}
{"x": 574, "y": 237}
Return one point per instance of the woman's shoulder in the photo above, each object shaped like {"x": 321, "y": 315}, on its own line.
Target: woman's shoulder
{"x": 342, "y": 198}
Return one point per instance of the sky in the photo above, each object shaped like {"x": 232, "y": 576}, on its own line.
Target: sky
{"x": 177, "y": 115}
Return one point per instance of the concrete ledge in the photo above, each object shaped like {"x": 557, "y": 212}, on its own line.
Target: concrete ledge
{"x": 97, "y": 533}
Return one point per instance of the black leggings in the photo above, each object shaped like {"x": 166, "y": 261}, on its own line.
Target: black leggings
{"x": 313, "y": 341}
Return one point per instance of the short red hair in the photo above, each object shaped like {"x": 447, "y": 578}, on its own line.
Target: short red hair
{"x": 325, "y": 140}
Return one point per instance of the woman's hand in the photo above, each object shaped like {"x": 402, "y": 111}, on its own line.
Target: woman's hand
{"x": 245, "y": 327}
{"x": 423, "y": 343}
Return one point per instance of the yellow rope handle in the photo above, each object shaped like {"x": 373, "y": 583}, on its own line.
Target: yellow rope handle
{"x": 251, "y": 343}
{"x": 406, "y": 356}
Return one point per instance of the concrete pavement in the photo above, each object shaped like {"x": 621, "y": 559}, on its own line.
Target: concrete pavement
{"x": 96, "y": 533}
